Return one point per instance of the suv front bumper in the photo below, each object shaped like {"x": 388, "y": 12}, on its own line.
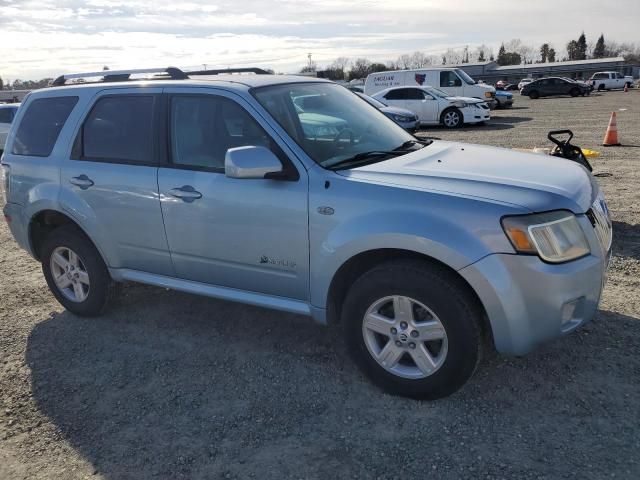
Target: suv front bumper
{"x": 529, "y": 302}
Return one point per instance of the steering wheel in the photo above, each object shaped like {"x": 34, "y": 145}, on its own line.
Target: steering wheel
{"x": 336, "y": 139}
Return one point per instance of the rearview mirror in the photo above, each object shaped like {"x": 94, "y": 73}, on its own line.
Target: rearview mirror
{"x": 251, "y": 162}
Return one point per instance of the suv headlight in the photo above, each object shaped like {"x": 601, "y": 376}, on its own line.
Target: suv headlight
{"x": 460, "y": 104}
{"x": 489, "y": 94}
{"x": 556, "y": 237}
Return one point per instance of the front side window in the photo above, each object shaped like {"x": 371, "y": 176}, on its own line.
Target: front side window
{"x": 332, "y": 127}
{"x": 119, "y": 128}
{"x": 203, "y": 128}
{"x": 415, "y": 94}
{"x": 41, "y": 124}
{"x": 449, "y": 79}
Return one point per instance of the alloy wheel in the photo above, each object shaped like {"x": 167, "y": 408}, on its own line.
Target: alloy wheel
{"x": 405, "y": 337}
{"x": 70, "y": 274}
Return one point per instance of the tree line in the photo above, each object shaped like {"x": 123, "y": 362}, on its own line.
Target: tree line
{"x": 513, "y": 52}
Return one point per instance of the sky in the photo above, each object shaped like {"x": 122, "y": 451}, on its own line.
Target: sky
{"x": 45, "y": 38}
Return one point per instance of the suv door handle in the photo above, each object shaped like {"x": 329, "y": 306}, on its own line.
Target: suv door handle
{"x": 81, "y": 181}
{"x": 186, "y": 193}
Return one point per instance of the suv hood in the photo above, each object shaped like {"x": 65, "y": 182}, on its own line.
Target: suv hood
{"x": 531, "y": 181}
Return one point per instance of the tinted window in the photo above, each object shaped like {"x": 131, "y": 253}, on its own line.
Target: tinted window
{"x": 600, "y": 76}
{"x": 203, "y": 128}
{"x": 415, "y": 94}
{"x": 120, "y": 128}
{"x": 399, "y": 94}
{"x": 41, "y": 124}
{"x": 6, "y": 115}
{"x": 449, "y": 79}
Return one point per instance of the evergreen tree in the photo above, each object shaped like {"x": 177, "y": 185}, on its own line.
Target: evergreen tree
{"x": 544, "y": 52}
{"x": 600, "y": 49}
{"x": 552, "y": 55}
{"x": 501, "y": 54}
{"x": 481, "y": 56}
{"x": 572, "y": 50}
{"x": 582, "y": 47}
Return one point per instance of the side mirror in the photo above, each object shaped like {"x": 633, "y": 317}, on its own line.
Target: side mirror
{"x": 251, "y": 162}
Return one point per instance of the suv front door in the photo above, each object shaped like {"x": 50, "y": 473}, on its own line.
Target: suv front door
{"x": 249, "y": 234}
{"x": 110, "y": 182}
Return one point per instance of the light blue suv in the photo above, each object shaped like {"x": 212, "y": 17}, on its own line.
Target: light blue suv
{"x": 220, "y": 186}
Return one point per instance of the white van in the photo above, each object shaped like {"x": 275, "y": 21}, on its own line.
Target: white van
{"x": 453, "y": 81}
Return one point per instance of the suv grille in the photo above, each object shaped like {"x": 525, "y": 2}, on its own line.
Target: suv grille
{"x": 599, "y": 216}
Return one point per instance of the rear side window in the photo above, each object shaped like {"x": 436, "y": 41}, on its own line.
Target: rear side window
{"x": 41, "y": 124}
{"x": 119, "y": 128}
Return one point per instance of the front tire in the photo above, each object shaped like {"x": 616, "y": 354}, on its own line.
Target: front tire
{"x": 574, "y": 92}
{"x": 413, "y": 329}
{"x": 75, "y": 272}
{"x": 451, "y": 118}
{"x": 533, "y": 95}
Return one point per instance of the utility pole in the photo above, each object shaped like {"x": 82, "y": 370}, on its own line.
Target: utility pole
{"x": 310, "y": 62}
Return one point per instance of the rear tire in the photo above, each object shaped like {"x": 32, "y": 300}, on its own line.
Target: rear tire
{"x": 533, "y": 95}
{"x": 436, "y": 345}
{"x": 75, "y": 272}
{"x": 451, "y": 118}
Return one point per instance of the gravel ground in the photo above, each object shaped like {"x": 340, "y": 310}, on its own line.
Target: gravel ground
{"x": 168, "y": 385}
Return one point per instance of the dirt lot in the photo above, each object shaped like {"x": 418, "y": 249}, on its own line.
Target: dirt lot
{"x": 168, "y": 385}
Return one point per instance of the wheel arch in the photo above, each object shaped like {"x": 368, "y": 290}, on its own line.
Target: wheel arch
{"x": 43, "y": 222}
{"x": 359, "y": 264}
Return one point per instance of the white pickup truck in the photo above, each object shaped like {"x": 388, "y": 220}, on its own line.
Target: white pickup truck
{"x": 609, "y": 80}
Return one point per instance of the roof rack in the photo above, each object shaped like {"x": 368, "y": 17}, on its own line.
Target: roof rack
{"x": 257, "y": 71}
{"x": 172, "y": 73}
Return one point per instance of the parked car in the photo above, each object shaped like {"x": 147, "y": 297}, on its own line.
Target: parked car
{"x": 523, "y": 82}
{"x": 504, "y": 99}
{"x": 7, "y": 114}
{"x": 420, "y": 249}
{"x": 501, "y": 84}
{"x": 435, "y": 107}
{"x": 453, "y": 81}
{"x": 552, "y": 86}
{"x": 403, "y": 117}
{"x": 511, "y": 87}
{"x": 610, "y": 80}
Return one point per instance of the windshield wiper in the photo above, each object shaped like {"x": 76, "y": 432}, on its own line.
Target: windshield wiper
{"x": 364, "y": 158}
{"x": 410, "y": 143}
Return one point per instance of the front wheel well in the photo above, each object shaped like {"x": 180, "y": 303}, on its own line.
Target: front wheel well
{"x": 42, "y": 224}
{"x": 361, "y": 263}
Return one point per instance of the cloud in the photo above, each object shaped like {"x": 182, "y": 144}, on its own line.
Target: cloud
{"x": 49, "y": 37}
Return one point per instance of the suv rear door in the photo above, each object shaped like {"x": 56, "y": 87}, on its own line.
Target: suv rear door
{"x": 110, "y": 182}
{"x": 249, "y": 234}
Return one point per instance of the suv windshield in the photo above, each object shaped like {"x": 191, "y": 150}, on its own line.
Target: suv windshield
{"x": 466, "y": 78}
{"x": 331, "y": 124}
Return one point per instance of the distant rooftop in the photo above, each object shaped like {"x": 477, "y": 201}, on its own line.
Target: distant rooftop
{"x": 570, "y": 63}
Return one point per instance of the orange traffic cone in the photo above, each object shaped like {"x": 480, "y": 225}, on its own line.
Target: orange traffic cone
{"x": 611, "y": 137}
